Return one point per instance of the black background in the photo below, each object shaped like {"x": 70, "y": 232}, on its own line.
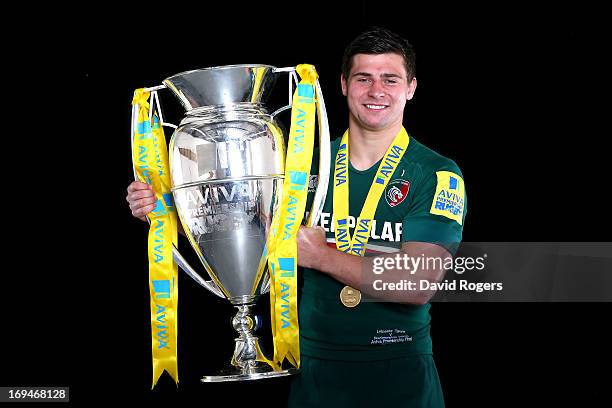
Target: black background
{"x": 513, "y": 94}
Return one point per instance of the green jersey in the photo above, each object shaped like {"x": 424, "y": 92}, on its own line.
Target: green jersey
{"x": 423, "y": 201}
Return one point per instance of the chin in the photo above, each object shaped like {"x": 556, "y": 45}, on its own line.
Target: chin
{"x": 373, "y": 125}
{"x": 368, "y": 122}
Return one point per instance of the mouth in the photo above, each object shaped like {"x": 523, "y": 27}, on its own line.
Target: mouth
{"x": 375, "y": 107}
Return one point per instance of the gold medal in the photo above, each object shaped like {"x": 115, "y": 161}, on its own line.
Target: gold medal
{"x": 350, "y": 297}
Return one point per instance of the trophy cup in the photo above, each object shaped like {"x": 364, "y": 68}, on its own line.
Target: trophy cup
{"x": 227, "y": 160}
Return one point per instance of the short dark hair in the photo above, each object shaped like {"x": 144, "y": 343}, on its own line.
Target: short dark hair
{"x": 379, "y": 40}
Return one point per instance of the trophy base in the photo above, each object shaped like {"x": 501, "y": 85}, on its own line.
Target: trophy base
{"x": 258, "y": 372}
{"x": 248, "y": 360}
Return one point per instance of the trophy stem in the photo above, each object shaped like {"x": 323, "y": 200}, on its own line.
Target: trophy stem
{"x": 248, "y": 361}
{"x": 247, "y": 349}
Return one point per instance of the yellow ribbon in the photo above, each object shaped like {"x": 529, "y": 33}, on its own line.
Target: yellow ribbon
{"x": 150, "y": 157}
{"x": 141, "y": 97}
{"x": 357, "y": 244}
{"x": 282, "y": 245}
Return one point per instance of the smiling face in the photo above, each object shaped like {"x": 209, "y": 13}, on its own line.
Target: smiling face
{"x": 377, "y": 90}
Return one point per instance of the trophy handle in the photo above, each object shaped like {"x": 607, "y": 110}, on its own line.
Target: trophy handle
{"x": 324, "y": 146}
{"x": 210, "y": 285}
{"x": 178, "y": 258}
{"x": 324, "y": 157}
{"x": 324, "y": 160}
{"x": 154, "y": 101}
{"x": 265, "y": 284}
{"x": 292, "y": 81}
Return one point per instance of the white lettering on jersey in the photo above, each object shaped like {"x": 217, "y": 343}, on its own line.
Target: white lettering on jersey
{"x": 390, "y": 232}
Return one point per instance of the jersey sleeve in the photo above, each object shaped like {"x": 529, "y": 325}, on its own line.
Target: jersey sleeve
{"x": 438, "y": 208}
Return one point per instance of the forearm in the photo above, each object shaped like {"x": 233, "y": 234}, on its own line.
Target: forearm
{"x": 358, "y": 272}
{"x": 340, "y": 266}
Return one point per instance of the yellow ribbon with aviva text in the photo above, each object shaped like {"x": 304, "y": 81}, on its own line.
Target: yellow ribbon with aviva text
{"x": 282, "y": 245}
{"x": 150, "y": 158}
{"x": 357, "y": 244}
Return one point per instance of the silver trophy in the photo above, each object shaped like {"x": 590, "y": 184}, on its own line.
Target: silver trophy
{"x": 227, "y": 160}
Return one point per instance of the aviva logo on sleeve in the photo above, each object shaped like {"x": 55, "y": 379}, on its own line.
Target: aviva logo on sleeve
{"x": 449, "y": 198}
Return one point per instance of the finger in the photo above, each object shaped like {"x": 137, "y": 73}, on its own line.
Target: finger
{"x": 134, "y": 197}
{"x": 134, "y": 205}
{"x": 137, "y": 195}
{"x": 137, "y": 185}
{"x": 141, "y": 212}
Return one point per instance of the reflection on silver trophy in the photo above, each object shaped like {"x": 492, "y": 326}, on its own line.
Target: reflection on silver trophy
{"x": 227, "y": 160}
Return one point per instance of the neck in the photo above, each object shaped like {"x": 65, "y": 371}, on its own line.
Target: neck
{"x": 369, "y": 146}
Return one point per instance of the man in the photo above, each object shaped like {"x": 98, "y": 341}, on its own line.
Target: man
{"x": 356, "y": 352}
{"x": 363, "y": 341}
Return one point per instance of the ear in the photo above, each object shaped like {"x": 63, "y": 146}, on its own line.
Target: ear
{"x": 411, "y": 88}
{"x": 343, "y": 85}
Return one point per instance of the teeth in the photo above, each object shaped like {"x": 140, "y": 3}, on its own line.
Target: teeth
{"x": 378, "y": 107}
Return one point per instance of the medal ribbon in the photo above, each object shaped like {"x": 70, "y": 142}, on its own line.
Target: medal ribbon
{"x": 357, "y": 244}
{"x": 150, "y": 156}
{"x": 282, "y": 244}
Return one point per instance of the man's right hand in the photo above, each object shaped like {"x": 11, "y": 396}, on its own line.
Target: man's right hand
{"x": 141, "y": 198}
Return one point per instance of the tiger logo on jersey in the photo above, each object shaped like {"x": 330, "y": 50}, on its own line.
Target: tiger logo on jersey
{"x": 396, "y": 192}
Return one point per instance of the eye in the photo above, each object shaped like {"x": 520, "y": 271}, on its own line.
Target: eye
{"x": 391, "y": 81}
{"x": 363, "y": 80}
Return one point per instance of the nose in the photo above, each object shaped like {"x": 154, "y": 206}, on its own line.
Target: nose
{"x": 376, "y": 89}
